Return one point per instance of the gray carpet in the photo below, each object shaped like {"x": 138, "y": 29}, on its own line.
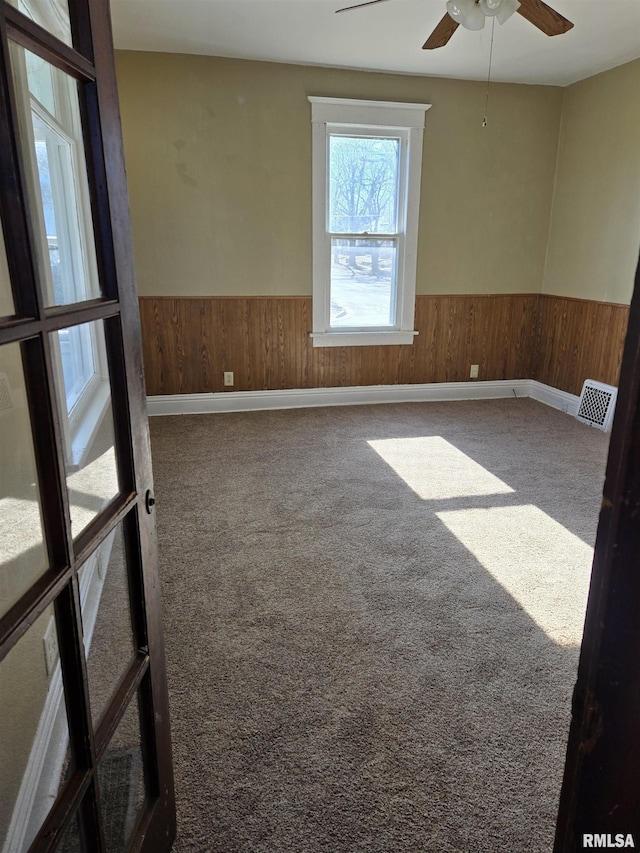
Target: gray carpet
{"x": 121, "y": 781}
{"x": 372, "y": 619}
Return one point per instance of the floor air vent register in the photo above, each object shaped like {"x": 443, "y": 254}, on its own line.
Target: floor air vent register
{"x": 597, "y": 404}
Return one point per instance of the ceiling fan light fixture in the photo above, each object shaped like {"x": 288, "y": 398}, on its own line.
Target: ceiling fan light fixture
{"x": 506, "y": 9}
{"x": 459, "y": 9}
{"x": 474, "y": 19}
{"x": 490, "y": 7}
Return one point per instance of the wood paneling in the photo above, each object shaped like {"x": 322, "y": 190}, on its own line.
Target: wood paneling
{"x": 579, "y": 339}
{"x": 189, "y": 343}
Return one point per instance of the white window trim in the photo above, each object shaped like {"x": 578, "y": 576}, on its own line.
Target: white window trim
{"x": 80, "y": 425}
{"x": 86, "y": 416}
{"x": 330, "y": 114}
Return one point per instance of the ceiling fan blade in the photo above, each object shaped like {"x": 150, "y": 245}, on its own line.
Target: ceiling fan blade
{"x": 359, "y": 5}
{"x": 543, "y": 17}
{"x": 442, "y": 33}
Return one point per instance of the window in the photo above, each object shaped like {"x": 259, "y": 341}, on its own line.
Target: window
{"x": 52, "y": 139}
{"x": 367, "y": 159}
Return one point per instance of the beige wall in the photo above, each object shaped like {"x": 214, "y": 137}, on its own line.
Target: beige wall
{"x": 23, "y": 691}
{"x": 595, "y": 226}
{"x": 218, "y": 156}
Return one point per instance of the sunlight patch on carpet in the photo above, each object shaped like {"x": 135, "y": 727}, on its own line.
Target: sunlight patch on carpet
{"x": 436, "y": 470}
{"x": 21, "y": 527}
{"x": 541, "y": 564}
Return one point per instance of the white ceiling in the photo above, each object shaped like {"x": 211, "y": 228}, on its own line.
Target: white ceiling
{"x": 384, "y": 37}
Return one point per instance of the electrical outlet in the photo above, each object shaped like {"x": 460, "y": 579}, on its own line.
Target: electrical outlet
{"x": 50, "y": 642}
{"x": 228, "y": 377}
{"x": 474, "y": 371}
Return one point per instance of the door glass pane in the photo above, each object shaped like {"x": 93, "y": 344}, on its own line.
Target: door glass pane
{"x": 70, "y": 842}
{"x": 34, "y": 736}
{"x": 23, "y": 556}
{"x": 52, "y": 15}
{"x": 51, "y": 137}
{"x": 7, "y": 307}
{"x": 84, "y": 398}
{"x": 41, "y": 81}
{"x": 79, "y": 362}
{"x": 122, "y": 782}
{"x": 363, "y": 184}
{"x": 363, "y": 283}
{"x": 106, "y": 619}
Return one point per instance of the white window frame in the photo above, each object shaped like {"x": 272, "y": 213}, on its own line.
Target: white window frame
{"x": 83, "y": 418}
{"x": 345, "y": 116}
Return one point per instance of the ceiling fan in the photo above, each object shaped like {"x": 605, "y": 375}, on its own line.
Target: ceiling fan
{"x": 471, "y": 14}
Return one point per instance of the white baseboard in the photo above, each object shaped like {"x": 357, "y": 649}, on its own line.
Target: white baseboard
{"x": 250, "y": 401}
{"x": 554, "y": 397}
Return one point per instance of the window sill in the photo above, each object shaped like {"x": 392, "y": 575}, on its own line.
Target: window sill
{"x": 361, "y": 339}
{"x": 85, "y": 427}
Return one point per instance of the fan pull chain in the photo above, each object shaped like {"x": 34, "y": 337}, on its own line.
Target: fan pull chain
{"x": 486, "y": 103}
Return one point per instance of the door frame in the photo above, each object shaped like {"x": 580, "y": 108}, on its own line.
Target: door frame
{"x": 91, "y": 62}
{"x": 600, "y": 791}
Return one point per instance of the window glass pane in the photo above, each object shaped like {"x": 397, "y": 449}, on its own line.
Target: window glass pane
{"x": 122, "y": 782}
{"x": 51, "y": 137}
{"x": 84, "y": 397}
{"x": 363, "y": 283}
{"x": 34, "y": 736}
{"x": 106, "y": 619}
{"x": 23, "y": 556}
{"x": 53, "y": 15}
{"x": 363, "y": 184}
{"x": 7, "y": 307}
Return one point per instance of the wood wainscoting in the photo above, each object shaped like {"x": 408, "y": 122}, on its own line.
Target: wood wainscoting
{"x": 579, "y": 339}
{"x": 190, "y": 341}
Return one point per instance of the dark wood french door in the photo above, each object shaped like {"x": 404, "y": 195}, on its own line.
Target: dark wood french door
{"x": 85, "y": 754}
{"x": 600, "y": 792}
